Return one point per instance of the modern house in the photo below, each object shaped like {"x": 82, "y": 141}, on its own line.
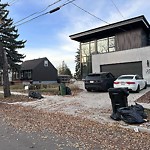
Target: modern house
{"x": 38, "y": 71}
{"x": 120, "y": 48}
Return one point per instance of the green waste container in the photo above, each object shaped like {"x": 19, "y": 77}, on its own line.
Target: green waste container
{"x": 62, "y": 89}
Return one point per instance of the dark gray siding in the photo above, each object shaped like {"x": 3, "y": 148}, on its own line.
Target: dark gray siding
{"x": 129, "y": 39}
{"x": 144, "y": 36}
{"x": 42, "y": 73}
{"x": 123, "y": 68}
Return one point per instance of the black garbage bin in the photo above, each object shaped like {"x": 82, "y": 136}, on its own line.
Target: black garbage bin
{"x": 118, "y": 98}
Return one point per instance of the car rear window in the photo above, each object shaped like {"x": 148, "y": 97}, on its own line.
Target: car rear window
{"x": 95, "y": 76}
{"x": 125, "y": 77}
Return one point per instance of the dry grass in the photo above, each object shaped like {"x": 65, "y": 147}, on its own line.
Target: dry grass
{"x": 50, "y": 89}
{"x": 15, "y": 98}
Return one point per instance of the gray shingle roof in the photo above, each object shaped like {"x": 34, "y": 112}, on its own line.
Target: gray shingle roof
{"x": 31, "y": 64}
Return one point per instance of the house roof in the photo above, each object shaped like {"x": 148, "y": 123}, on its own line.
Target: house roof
{"x": 111, "y": 29}
{"x": 31, "y": 64}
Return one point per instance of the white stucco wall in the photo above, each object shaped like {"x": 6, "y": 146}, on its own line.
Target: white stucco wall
{"x": 132, "y": 55}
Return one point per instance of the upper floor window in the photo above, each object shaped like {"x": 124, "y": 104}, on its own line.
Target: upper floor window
{"x": 106, "y": 45}
{"x": 45, "y": 63}
{"x": 88, "y": 48}
{"x": 102, "y": 45}
{"x": 111, "y": 44}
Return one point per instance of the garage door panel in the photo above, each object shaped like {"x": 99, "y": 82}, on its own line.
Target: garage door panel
{"x": 123, "y": 68}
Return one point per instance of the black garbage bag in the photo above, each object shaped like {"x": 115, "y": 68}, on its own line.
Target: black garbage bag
{"x": 68, "y": 91}
{"x": 133, "y": 114}
{"x": 35, "y": 94}
{"x": 140, "y": 110}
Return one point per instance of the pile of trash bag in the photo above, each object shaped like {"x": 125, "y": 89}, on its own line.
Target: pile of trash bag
{"x": 35, "y": 94}
{"x": 133, "y": 114}
{"x": 68, "y": 91}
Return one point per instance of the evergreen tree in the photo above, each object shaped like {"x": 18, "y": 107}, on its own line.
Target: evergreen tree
{"x": 64, "y": 70}
{"x": 9, "y": 44}
{"x": 78, "y": 65}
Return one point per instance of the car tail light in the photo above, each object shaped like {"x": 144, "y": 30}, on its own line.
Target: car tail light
{"x": 130, "y": 82}
{"x": 116, "y": 82}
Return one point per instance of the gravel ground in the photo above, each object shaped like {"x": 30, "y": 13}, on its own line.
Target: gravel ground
{"x": 84, "y": 117}
{"x": 91, "y": 105}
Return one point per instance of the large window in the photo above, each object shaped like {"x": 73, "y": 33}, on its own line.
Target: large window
{"x": 111, "y": 42}
{"x": 85, "y": 49}
{"x": 92, "y": 47}
{"x": 102, "y": 45}
{"x": 84, "y": 59}
{"x": 106, "y": 45}
{"x": 88, "y": 48}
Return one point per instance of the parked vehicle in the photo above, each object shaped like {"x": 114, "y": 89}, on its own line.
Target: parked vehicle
{"x": 132, "y": 82}
{"x": 99, "y": 81}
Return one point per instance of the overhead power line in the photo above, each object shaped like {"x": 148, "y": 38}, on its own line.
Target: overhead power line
{"x": 95, "y": 16}
{"x": 12, "y": 2}
{"x": 51, "y": 11}
{"x": 117, "y": 8}
{"x": 38, "y": 12}
{"x": 90, "y": 13}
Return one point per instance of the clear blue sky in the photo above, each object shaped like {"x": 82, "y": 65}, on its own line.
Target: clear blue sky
{"x": 48, "y": 36}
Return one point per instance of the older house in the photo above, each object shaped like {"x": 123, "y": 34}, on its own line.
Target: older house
{"x": 120, "y": 48}
{"x": 38, "y": 71}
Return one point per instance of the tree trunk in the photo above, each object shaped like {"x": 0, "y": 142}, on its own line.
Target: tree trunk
{"x": 6, "y": 84}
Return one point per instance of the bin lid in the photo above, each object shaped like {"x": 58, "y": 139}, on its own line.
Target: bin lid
{"x": 118, "y": 90}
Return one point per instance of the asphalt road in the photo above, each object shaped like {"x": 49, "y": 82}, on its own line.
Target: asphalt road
{"x": 10, "y": 139}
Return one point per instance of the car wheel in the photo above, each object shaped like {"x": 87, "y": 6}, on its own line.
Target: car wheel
{"x": 89, "y": 90}
{"x": 138, "y": 89}
{"x": 106, "y": 88}
{"x": 145, "y": 86}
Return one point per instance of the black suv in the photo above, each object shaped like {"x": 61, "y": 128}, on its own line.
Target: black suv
{"x": 99, "y": 81}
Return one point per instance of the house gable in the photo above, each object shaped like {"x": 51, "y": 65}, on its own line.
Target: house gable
{"x": 45, "y": 71}
{"x": 38, "y": 70}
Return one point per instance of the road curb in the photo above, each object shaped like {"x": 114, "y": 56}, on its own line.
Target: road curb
{"x": 137, "y": 128}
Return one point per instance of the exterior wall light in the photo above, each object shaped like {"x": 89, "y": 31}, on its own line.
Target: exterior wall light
{"x": 148, "y": 65}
